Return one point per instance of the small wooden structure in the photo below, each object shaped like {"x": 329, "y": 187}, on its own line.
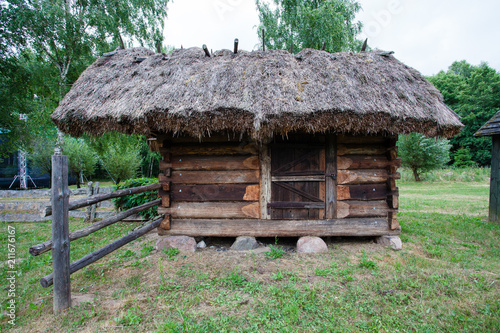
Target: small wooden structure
{"x": 492, "y": 128}
{"x": 264, "y": 143}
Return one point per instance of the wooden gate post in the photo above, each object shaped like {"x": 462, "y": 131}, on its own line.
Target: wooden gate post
{"x": 60, "y": 233}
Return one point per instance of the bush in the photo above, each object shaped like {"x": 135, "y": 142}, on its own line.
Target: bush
{"x": 134, "y": 200}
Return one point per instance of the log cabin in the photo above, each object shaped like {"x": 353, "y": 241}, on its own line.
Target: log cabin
{"x": 264, "y": 143}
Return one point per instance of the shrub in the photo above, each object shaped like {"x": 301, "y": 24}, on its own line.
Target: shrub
{"x": 133, "y": 200}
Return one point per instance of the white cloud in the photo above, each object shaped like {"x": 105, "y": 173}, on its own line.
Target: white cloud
{"x": 428, "y": 35}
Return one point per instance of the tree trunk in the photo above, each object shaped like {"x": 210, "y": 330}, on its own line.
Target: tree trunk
{"x": 415, "y": 174}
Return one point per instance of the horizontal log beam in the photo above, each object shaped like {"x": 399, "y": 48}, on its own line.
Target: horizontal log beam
{"x": 211, "y": 177}
{"x": 311, "y": 178}
{"x": 230, "y": 210}
{"x": 362, "y": 192}
{"x": 218, "y": 192}
{"x": 361, "y": 149}
{"x": 47, "y": 211}
{"x": 286, "y": 205}
{"x": 362, "y": 208}
{"x": 280, "y": 228}
{"x": 211, "y": 149}
{"x": 47, "y": 245}
{"x": 215, "y": 163}
{"x": 94, "y": 256}
{"x": 364, "y": 176}
{"x": 366, "y": 162}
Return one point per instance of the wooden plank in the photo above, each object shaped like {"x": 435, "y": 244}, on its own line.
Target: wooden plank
{"x": 311, "y": 178}
{"x": 366, "y": 162}
{"x": 304, "y": 194}
{"x": 265, "y": 180}
{"x": 377, "y": 226}
{"x": 361, "y": 139}
{"x": 361, "y": 149}
{"x": 331, "y": 181}
{"x": 494, "y": 207}
{"x": 60, "y": 234}
{"x": 362, "y": 192}
{"x": 215, "y": 192}
{"x": 214, "y": 163}
{"x": 212, "y": 149}
{"x": 294, "y": 204}
{"x": 200, "y": 210}
{"x": 362, "y": 208}
{"x": 212, "y": 177}
{"x": 362, "y": 176}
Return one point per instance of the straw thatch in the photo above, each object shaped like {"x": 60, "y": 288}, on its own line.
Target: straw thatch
{"x": 259, "y": 93}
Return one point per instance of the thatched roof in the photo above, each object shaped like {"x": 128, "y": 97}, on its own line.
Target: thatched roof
{"x": 259, "y": 93}
{"x": 492, "y": 126}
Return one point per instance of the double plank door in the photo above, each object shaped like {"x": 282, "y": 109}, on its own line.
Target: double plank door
{"x": 303, "y": 180}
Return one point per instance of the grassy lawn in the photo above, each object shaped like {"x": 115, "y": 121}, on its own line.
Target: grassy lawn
{"x": 446, "y": 278}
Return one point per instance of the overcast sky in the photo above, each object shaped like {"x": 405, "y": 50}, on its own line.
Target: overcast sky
{"x": 425, "y": 34}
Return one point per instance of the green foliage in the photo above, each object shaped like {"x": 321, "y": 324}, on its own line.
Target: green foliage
{"x": 119, "y": 154}
{"x": 82, "y": 159}
{"x": 463, "y": 158}
{"x": 46, "y": 44}
{"x": 275, "y": 252}
{"x": 422, "y": 154}
{"x": 309, "y": 24}
{"x": 134, "y": 200}
{"x": 171, "y": 252}
{"x": 474, "y": 93}
{"x": 41, "y": 152}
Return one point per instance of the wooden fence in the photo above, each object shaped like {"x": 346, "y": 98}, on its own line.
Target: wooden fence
{"x": 61, "y": 237}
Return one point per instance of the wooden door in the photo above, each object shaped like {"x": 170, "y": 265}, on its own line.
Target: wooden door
{"x": 297, "y": 181}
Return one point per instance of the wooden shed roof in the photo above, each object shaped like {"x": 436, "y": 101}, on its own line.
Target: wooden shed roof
{"x": 492, "y": 126}
{"x": 260, "y": 93}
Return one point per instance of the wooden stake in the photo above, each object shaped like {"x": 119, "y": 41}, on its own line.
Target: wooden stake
{"x": 205, "y": 48}
{"x": 60, "y": 234}
{"x": 236, "y": 46}
{"x": 263, "y": 41}
{"x": 365, "y": 43}
{"x": 323, "y": 47}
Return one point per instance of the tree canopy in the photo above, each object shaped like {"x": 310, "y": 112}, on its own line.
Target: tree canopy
{"x": 309, "y": 24}
{"x": 474, "y": 93}
{"x": 46, "y": 44}
{"x": 422, "y": 154}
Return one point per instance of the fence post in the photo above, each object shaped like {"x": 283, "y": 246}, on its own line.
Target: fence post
{"x": 93, "y": 208}
{"x": 60, "y": 233}
{"x": 90, "y": 192}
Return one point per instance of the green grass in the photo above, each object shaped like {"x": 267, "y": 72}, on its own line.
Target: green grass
{"x": 446, "y": 279}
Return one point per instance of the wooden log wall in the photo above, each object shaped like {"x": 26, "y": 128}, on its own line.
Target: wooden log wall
{"x": 218, "y": 179}
{"x": 366, "y": 174}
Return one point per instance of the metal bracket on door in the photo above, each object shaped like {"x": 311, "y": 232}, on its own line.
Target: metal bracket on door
{"x": 333, "y": 175}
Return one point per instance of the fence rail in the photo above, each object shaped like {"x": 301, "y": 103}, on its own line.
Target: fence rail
{"x": 61, "y": 237}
